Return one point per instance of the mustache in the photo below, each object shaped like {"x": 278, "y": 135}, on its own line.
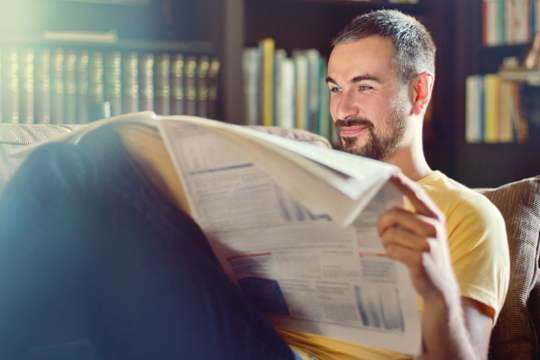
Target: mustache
{"x": 338, "y": 124}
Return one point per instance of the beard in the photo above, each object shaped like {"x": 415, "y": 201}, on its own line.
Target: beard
{"x": 377, "y": 146}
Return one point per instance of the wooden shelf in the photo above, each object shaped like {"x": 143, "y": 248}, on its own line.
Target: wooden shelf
{"x": 196, "y": 47}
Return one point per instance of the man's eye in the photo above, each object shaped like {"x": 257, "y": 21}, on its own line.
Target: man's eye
{"x": 364, "y": 87}
{"x": 336, "y": 89}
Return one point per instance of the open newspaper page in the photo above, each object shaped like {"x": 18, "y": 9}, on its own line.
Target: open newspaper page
{"x": 303, "y": 270}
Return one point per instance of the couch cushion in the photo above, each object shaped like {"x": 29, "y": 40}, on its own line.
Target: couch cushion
{"x": 13, "y": 136}
{"x": 514, "y": 336}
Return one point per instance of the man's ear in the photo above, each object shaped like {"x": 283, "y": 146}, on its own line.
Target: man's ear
{"x": 423, "y": 88}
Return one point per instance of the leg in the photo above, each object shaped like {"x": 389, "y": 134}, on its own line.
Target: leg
{"x": 142, "y": 286}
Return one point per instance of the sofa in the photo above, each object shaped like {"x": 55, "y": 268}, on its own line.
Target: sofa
{"x": 515, "y": 336}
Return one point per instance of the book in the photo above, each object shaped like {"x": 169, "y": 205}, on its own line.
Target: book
{"x": 267, "y": 47}
{"x": 26, "y": 71}
{"x": 10, "y": 62}
{"x": 96, "y": 95}
{"x": 491, "y": 107}
{"x": 162, "y": 87}
{"x": 1, "y": 87}
{"x": 112, "y": 79}
{"x": 202, "y": 86}
{"x": 472, "y": 111}
{"x": 279, "y": 56}
{"x": 191, "y": 85}
{"x": 57, "y": 86}
{"x": 130, "y": 82}
{"x": 70, "y": 87}
{"x": 146, "y": 81}
{"x": 325, "y": 122}
{"x": 263, "y": 202}
{"x": 83, "y": 58}
{"x": 287, "y": 94}
{"x": 177, "y": 84}
{"x": 43, "y": 86}
{"x": 314, "y": 59}
{"x": 251, "y": 69}
{"x": 302, "y": 86}
{"x": 213, "y": 74}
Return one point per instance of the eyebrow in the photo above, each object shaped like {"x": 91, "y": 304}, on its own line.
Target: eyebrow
{"x": 356, "y": 79}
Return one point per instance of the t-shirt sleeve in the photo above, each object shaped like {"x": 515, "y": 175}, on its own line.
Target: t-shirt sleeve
{"x": 479, "y": 251}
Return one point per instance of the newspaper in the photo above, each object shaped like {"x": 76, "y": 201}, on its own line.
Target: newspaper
{"x": 294, "y": 226}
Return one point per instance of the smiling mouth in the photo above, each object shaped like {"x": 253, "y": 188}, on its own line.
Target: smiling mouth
{"x": 352, "y": 130}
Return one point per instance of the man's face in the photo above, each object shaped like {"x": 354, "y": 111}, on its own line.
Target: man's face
{"x": 368, "y": 104}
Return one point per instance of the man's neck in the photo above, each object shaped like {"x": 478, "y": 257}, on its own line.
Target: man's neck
{"x": 412, "y": 162}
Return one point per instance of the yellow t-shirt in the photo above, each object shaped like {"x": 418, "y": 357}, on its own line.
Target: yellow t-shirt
{"x": 480, "y": 257}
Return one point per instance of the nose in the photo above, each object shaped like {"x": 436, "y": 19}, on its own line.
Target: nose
{"x": 345, "y": 106}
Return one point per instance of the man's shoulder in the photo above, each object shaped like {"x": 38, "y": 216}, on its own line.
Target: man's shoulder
{"x": 451, "y": 196}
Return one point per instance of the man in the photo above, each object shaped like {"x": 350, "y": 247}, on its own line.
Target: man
{"x": 381, "y": 76}
{"x": 144, "y": 284}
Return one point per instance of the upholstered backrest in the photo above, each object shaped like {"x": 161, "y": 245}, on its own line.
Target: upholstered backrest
{"x": 13, "y": 136}
{"x": 515, "y": 334}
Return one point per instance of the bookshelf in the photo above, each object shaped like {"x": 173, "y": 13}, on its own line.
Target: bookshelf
{"x": 154, "y": 36}
{"x": 483, "y": 165}
{"x": 303, "y": 24}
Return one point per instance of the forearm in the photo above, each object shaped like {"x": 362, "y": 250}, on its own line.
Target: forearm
{"x": 444, "y": 331}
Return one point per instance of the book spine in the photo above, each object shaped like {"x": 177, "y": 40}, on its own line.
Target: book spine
{"x": 325, "y": 119}
{"x": 96, "y": 96}
{"x": 287, "y": 109}
{"x": 536, "y": 16}
{"x": 470, "y": 108}
{"x": 482, "y": 107}
{"x": 213, "y": 76}
{"x": 130, "y": 82}
{"x": 70, "y": 87}
{"x": 202, "y": 86}
{"x": 11, "y": 85}
{"x": 301, "y": 89}
{"x": 268, "y": 47}
{"x": 490, "y": 129}
{"x": 177, "y": 84}
{"x": 250, "y": 66}
{"x": 57, "y": 86}
{"x": 313, "y": 58}
{"x": 43, "y": 86}
{"x": 83, "y": 59}
{"x": 501, "y": 32}
{"x": 27, "y": 86}
{"x": 279, "y": 57}
{"x": 191, "y": 86}
{"x": 113, "y": 81}
{"x": 146, "y": 82}
{"x": 1, "y": 86}
{"x": 162, "y": 101}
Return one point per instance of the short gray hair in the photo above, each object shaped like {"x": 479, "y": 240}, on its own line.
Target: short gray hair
{"x": 414, "y": 49}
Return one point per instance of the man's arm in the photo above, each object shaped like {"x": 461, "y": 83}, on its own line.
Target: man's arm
{"x": 452, "y": 327}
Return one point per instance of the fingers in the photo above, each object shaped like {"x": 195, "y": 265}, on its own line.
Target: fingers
{"x": 401, "y": 218}
{"x": 418, "y": 197}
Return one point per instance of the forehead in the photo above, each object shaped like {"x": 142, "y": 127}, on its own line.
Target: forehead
{"x": 368, "y": 56}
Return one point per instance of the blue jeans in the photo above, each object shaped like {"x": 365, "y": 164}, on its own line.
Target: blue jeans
{"x": 80, "y": 228}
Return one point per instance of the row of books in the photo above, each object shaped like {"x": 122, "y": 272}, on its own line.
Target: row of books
{"x": 495, "y": 111}
{"x": 509, "y": 22}
{"x": 289, "y": 92}
{"x": 66, "y": 86}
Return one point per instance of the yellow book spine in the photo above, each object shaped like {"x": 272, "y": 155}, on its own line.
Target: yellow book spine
{"x": 269, "y": 48}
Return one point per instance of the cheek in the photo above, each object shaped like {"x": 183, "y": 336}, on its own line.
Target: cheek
{"x": 333, "y": 106}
